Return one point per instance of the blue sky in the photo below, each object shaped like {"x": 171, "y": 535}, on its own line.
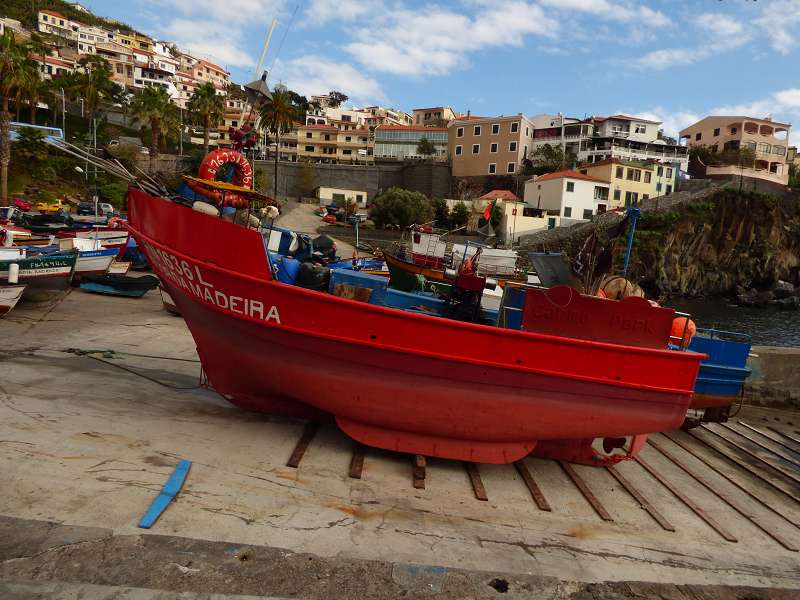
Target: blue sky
{"x": 674, "y": 60}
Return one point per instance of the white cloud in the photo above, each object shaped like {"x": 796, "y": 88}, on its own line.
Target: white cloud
{"x": 719, "y": 24}
{"x": 214, "y": 40}
{"x": 614, "y": 11}
{"x": 780, "y": 20}
{"x": 323, "y": 11}
{"x": 435, "y": 40}
{"x": 229, "y": 12}
{"x": 780, "y": 104}
{"x": 309, "y": 75}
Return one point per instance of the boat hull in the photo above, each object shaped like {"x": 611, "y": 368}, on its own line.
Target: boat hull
{"x": 9, "y": 296}
{"x": 392, "y": 379}
{"x": 45, "y": 277}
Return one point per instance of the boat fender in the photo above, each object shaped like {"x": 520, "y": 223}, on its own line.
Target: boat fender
{"x": 450, "y": 273}
{"x": 115, "y": 222}
{"x": 205, "y": 207}
{"x": 491, "y": 284}
{"x": 13, "y": 273}
{"x": 681, "y": 324}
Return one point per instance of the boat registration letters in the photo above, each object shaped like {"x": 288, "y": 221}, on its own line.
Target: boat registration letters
{"x": 190, "y": 278}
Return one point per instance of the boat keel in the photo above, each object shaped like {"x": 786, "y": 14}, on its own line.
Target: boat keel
{"x": 597, "y": 452}
{"x": 428, "y": 445}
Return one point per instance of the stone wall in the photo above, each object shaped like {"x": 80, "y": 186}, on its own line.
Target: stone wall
{"x": 429, "y": 178}
{"x": 775, "y": 380}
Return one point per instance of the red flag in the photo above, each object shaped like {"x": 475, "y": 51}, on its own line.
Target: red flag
{"x": 487, "y": 213}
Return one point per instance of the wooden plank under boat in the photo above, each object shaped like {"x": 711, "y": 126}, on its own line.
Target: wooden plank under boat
{"x": 399, "y": 380}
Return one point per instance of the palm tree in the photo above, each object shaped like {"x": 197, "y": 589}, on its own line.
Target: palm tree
{"x": 14, "y": 70}
{"x": 36, "y": 45}
{"x": 277, "y": 115}
{"x": 207, "y": 108}
{"x": 93, "y": 83}
{"x": 151, "y": 106}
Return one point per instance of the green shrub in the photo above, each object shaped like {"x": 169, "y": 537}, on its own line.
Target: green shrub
{"x": 113, "y": 193}
{"x": 397, "y": 206}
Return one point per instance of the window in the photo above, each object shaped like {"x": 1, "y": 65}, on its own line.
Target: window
{"x": 510, "y": 167}
{"x": 645, "y": 197}
{"x": 698, "y": 135}
{"x": 733, "y": 130}
{"x": 512, "y": 146}
{"x": 620, "y": 172}
{"x": 476, "y": 148}
{"x": 716, "y": 132}
{"x": 458, "y": 150}
{"x": 327, "y": 137}
{"x": 514, "y": 127}
{"x": 359, "y": 198}
{"x": 460, "y": 132}
{"x": 669, "y": 173}
{"x": 551, "y": 223}
{"x": 44, "y": 18}
{"x": 567, "y": 211}
{"x": 527, "y": 134}
{"x": 617, "y": 194}
{"x": 658, "y": 186}
{"x": 647, "y": 176}
{"x": 492, "y": 168}
{"x": 493, "y": 148}
{"x": 309, "y": 148}
{"x": 631, "y": 198}
{"x": 309, "y": 134}
{"x": 779, "y": 150}
{"x": 764, "y": 148}
{"x": 119, "y": 70}
{"x": 476, "y": 130}
{"x": 570, "y": 186}
{"x": 347, "y": 138}
{"x": 234, "y": 123}
{"x": 495, "y": 129}
{"x": 639, "y": 128}
{"x": 660, "y": 171}
{"x": 601, "y": 208}
{"x": 347, "y": 152}
{"x": 587, "y": 213}
{"x": 669, "y": 189}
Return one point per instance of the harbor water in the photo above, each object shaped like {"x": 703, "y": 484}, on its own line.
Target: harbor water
{"x": 767, "y": 326}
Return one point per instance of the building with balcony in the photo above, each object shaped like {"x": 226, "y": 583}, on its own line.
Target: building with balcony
{"x": 568, "y": 194}
{"x": 379, "y": 115}
{"x": 400, "y": 142}
{"x": 54, "y": 23}
{"x": 53, "y": 67}
{"x": 121, "y": 60}
{"x": 438, "y": 116}
{"x": 318, "y": 143}
{"x": 768, "y": 139}
{"x": 597, "y": 139}
{"x": 480, "y": 146}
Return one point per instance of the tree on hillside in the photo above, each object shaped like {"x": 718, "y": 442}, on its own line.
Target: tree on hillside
{"x": 425, "y": 147}
{"x": 15, "y": 69}
{"x": 441, "y": 213}
{"x": 336, "y": 99}
{"x": 742, "y": 157}
{"x": 206, "y": 108}
{"x": 667, "y": 138}
{"x": 93, "y": 83}
{"x": 548, "y": 158}
{"x": 459, "y": 216}
{"x": 277, "y": 115}
{"x": 400, "y": 207}
{"x": 151, "y": 107}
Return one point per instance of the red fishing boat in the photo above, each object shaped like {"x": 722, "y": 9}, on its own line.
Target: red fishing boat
{"x": 412, "y": 382}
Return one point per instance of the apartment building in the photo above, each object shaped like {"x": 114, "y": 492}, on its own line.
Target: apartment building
{"x": 379, "y": 115}
{"x": 767, "y": 138}
{"x": 568, "y": 194}
{"x": 328, "y": 143}
{"x": 480, "y": 146}
{"x": 133, "y": 40}
{"x": 202, "y": 70}
{"x": 600, "y": 138}
{"x": 438, "y": 116}
{"x": 400, "y": 142}
{"x": 53, "y": 67}
{"x": 631, "y": 182}
{"x": 121, "y": 60}
{"x": 54, "y": 23}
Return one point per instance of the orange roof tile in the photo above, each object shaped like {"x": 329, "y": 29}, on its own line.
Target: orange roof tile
{"x": 500, "y": 195}
{"x": 53, "y": 13}
{"x": 213, "y": 66}
{"x": 568, "y": 174}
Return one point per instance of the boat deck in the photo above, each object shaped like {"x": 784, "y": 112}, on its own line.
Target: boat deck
{"x": 87, "y": 440}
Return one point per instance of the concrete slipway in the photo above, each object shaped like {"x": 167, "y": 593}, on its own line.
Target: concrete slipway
{"x": 86, "y": 445}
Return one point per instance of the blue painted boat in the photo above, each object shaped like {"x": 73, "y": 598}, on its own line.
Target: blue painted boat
{"x": 723, "y": 374}
{"x": 134, "y": 256}
{"x": 120, "y": 285}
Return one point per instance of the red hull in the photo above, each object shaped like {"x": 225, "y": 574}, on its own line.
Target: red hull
{"x": 396, "y": 380}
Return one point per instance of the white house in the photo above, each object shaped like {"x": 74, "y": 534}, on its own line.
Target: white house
{"x": 568, "y": 194}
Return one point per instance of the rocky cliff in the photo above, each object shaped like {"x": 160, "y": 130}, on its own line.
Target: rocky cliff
{"x": 721, "y": 242}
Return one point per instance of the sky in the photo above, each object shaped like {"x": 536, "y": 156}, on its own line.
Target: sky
{"x": 670, "y": 60}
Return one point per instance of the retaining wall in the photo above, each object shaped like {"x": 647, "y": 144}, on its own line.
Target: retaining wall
{"x": 775, "y": 380}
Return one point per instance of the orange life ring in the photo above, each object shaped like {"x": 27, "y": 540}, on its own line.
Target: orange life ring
{"x": 242, "y": 175}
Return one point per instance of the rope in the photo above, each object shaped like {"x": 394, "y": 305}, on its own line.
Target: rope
{"x": 114, "y": 353}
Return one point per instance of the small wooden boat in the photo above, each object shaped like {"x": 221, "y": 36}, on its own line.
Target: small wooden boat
{"x": 119, "y": 268}
{"x": 9, "y": 296}
{"x": 119, "y": 285}
{"x": 46, "y": 277}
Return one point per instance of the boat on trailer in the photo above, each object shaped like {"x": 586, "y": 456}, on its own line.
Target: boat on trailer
{"x": 582, "y": 380}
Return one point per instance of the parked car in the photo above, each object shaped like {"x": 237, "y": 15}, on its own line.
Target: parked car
{"x": 52, "y": 206}
{"x": 104, "y": 208}
{"x": 23, "y": 205}
{"x": 86, "y": 208}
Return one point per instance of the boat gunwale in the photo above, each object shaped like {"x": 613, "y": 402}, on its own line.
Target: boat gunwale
{"x": 616, "y": 349}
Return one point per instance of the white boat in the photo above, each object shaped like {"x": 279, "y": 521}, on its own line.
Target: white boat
{"x": 9, "y": 296}
{"x": 94, "y": 262}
